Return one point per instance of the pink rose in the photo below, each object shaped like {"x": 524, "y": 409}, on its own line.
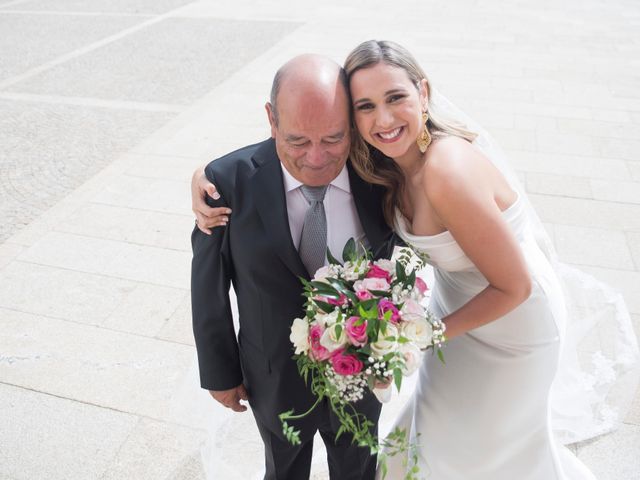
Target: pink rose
{"x": 356, "y": 329}
{"x": 343, "y": 300}
{"x": 346, "y": 364}
{"x": 386, "y": 305}
{"x": 363, "y": 295}
{"x": 377, "y": 272}
{"x": 421, "y": 285}
{"x": 317, "y": 352}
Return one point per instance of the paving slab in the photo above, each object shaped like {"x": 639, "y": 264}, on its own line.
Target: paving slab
{"x": 561, "y": 185}
{"x": 62, "y": 293}
{"x": 624, "y": 281}
{"x": 131, "y": 225}
{"x": 124, "y": 372}
{"x": 587, "y": 213}
{"x": 178, "y": 327}
{"x": 170, "y": 268}
{"x": 633, "y": 240}
{"x": 569, "y": 165}
{"x": 147, "y": 7}
{"x": 21, "y": 40}
{"x": 167, "y": 62}
{"x": 44, "y": 436}
{"x": 614, "y": 456}
{"x": 593, "y": 246}
{"x": 615, "y": 191}
{"x": 156, "y": 450}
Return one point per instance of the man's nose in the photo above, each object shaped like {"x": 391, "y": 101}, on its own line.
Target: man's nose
{"x": 315, "y": 155}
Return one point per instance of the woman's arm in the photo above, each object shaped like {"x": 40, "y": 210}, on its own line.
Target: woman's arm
{"x": 462, "y": 186}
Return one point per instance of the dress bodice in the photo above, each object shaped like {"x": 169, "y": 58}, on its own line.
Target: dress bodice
{"x": 442, "y": 249}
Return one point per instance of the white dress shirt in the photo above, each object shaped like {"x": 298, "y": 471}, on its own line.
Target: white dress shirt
{"x": 342, "y": 217}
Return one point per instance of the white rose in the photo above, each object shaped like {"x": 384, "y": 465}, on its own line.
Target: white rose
{"x": 327, "y": 319}
{"x": 322, "y": 273}
{"x": 411, "y": 307}
{"x": 330, "y": 338}
{"x": 300, "y": 335}
{"x": 371, "y": 284}
{"x": 412, "y": 357}
{"x": 418, "y": 331}
{"x": 383, "y": 345}
{"x": 388, "y": 265}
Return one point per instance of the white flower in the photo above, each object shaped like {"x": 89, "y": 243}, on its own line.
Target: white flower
{"x": 327, "y": 319}
{"x": 383, "y": 345}
{"x": 371, "y": 284}
{"x": 300, "y": 335}
{"x": 353, "y": 271}
{"x": 330, "y": 338}
{"x": 388, "y": 265}
{"x": 322, "y": 273}
{"x": 413, "y": 308}
{"x": 412, "y": 357}
{"x": 418, "y": 331}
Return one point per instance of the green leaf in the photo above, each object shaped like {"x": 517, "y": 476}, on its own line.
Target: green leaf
{"x": 332, "y": 260}
{"x": 349, "y": 252}
{"x": 441, "y": 356}
{"x": 324, "y": 306}
{"x": 397, "y": 377}
{"x": 338, "y": 330}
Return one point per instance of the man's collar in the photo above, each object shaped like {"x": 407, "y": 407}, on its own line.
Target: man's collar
{"x": 341, "y": 181}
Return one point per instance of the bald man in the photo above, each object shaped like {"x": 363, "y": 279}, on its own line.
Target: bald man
{"x": 257, "y": 251}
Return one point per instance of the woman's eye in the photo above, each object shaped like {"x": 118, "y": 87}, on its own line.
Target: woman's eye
{"x": 395, "y": 98}
{"x": 364, "y": 106}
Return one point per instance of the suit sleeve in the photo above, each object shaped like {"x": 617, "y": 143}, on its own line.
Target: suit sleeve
{"x": 215, "y": 337}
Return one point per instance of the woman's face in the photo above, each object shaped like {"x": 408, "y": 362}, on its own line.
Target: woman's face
{"x": 388, "y": 108}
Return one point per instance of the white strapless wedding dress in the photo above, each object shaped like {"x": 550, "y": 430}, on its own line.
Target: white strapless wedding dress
{"x": 485, "y": 415}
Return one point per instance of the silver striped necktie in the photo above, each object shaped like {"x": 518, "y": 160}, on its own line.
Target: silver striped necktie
{"x": 313, "y": 243}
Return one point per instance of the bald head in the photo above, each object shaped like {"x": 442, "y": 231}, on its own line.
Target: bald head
{"x": 308, "y": 74}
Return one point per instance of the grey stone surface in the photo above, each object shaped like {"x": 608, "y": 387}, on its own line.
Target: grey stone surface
{"x": 593, "y": 246}
{"x": 169, "y": 62}
{"x": 22, "y": 48}
{"x": 62, "y": 293}
{"x": 157, "y": 450}
{"x": 614, "y": 456}
{"x": 125, "y": 372}
{"x": 170, "y": 268}
{"x": 44, "y": 436}
{"x": 143, "y": 227}
{"x": 48, "y": 150}
{"x": 101, "y": 6}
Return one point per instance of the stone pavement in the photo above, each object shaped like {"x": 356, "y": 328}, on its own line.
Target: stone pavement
{"x": 106, "y": 107}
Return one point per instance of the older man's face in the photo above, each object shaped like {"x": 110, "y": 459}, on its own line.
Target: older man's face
{"x": 312, "y": 134}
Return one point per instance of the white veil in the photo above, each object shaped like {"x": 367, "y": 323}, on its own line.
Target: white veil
{"x": 600, "y": 360}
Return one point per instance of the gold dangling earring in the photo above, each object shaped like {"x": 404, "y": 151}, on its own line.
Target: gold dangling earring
{"x": 424, "y": 139}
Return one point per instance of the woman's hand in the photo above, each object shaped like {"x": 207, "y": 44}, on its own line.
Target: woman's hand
{"x": 206, "y": 217}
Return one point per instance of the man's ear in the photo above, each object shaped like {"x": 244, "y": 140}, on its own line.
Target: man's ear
{"x": 272, "y": 118}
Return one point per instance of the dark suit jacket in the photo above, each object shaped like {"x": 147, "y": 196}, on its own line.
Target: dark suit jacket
{"x": 255, "y": 252}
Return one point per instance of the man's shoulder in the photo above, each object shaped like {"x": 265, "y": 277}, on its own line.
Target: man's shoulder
{"x": 239, "y": 160}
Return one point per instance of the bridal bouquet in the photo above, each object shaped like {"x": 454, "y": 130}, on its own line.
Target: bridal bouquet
{"x": 364, "y": 326}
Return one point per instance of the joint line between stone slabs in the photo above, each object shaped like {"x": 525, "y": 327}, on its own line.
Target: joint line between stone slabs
{"x": 94, "y": 102}
{"x": 163, "y": 285}
{"x": 75, "y": 14}
{"x": 100, "y": 327}
{"x": 134, "y": 209}
{"x": 84, "y": 402}
{"x": 15, "y": 2}
{"x": 89, "y": 48}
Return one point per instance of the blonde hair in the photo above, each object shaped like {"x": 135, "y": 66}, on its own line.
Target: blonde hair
{"x": 371, "y": 164}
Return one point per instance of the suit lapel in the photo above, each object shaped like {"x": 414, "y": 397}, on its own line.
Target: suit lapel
{"x": 368, "y": 202}
{"x": 271, "y": 204}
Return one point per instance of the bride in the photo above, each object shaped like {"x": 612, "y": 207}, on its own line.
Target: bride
{"x": 489, "y": 413}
